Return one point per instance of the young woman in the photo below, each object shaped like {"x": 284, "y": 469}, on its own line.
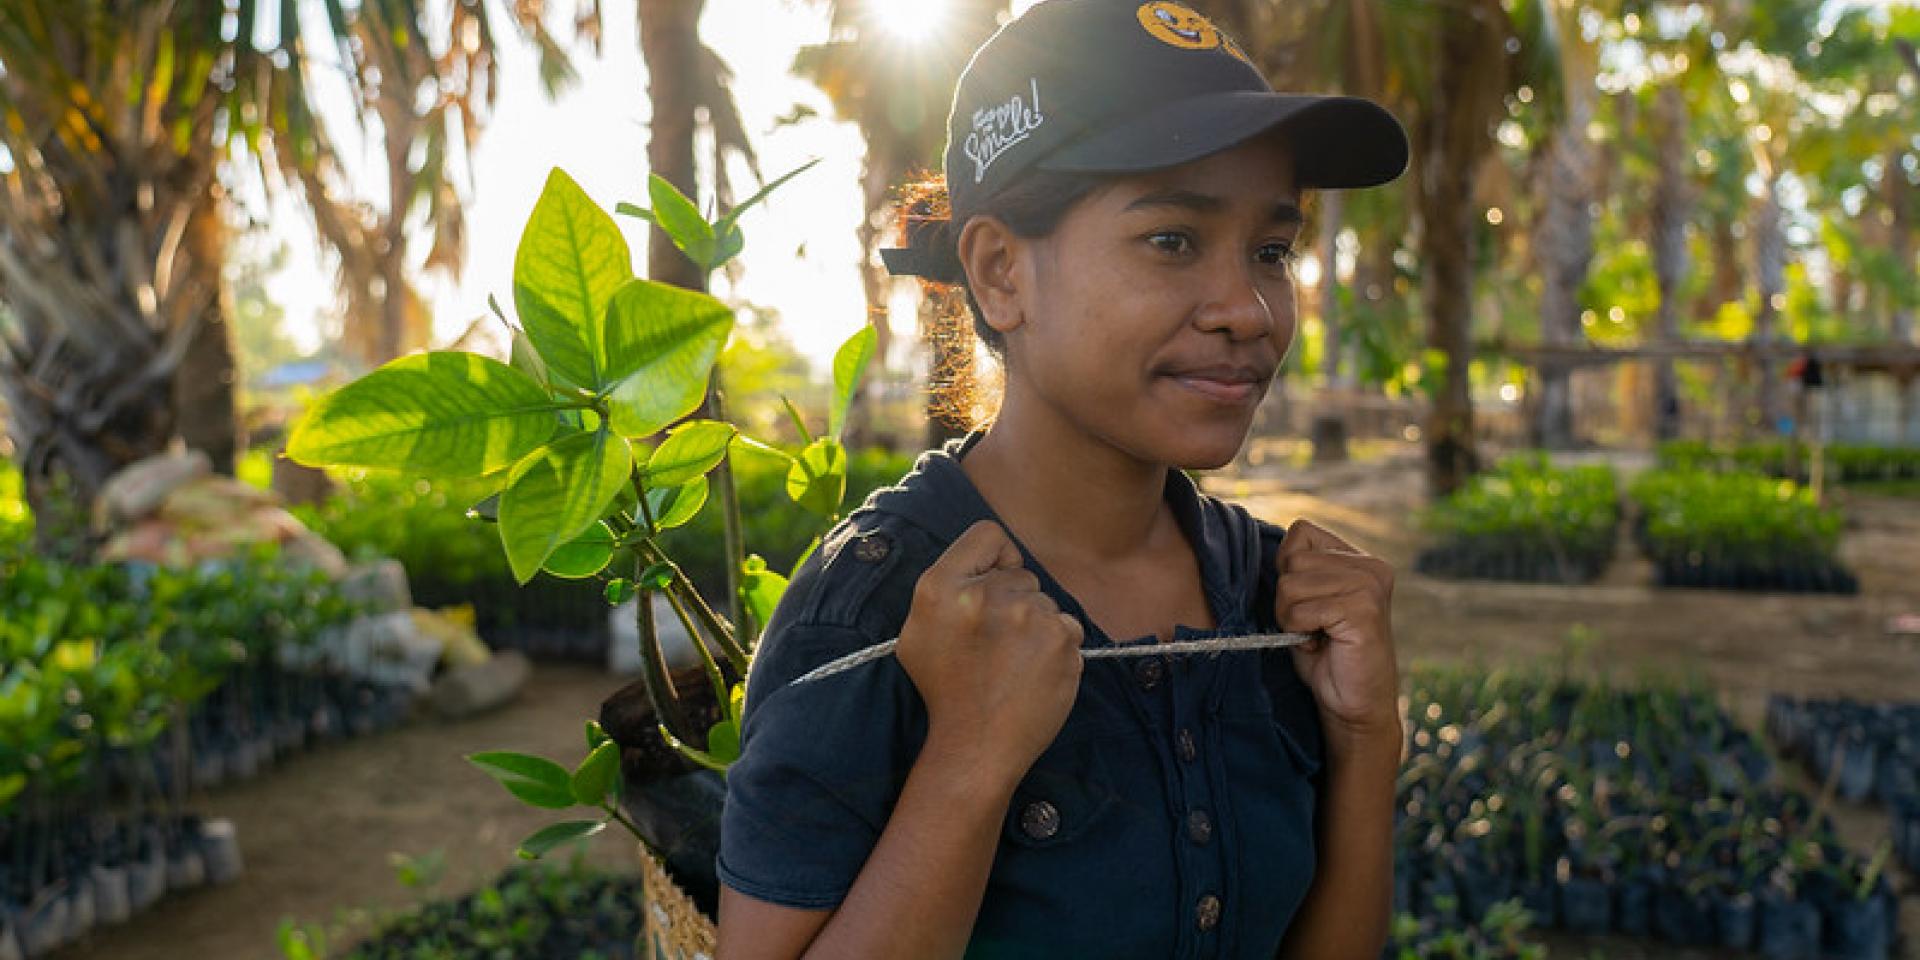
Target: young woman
{"x": 1126, "y": 195}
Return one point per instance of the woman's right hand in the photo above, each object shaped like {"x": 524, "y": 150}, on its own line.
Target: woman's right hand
{"x": 996, "y": 661}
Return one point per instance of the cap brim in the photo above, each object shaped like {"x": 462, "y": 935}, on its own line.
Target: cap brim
{"x": 1341, "y": 142}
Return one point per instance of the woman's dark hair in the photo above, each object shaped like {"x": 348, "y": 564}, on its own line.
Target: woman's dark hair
{"x": 1032, "y": 207}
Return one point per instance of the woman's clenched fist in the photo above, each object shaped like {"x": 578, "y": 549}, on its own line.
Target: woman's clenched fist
{"x": 1326, "y": 584}
{"x": 996, "y": 661}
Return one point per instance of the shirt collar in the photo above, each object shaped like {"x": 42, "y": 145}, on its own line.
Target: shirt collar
{"x": 938, "y": 497}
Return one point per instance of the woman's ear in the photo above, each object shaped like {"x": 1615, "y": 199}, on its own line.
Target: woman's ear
{"x": 990, "y": 252}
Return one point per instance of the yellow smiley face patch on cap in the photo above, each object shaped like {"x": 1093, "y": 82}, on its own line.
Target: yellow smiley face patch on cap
{"x": 1175, "y": 24}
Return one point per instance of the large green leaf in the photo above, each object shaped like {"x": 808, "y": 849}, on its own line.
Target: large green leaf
{"x": 849, "y": 364}
{"x": 595, "y": 776}
{"x": 662, "y": 342}
{"x": 723, "y": 741}
{"x": 691, "y": 449}
{"x": 762, "y": 588}
{"x": 584, "y": 555}
{"x": 572, "y": 259}
{"x": 556, "y": 493}
{"x": 535, "y": 780}
{"x": 674, "y": 506}
{"x": 818, "y": 478}
{"x": 681, "y": 220}
{"x": 543, "y": 840}
{"x": 445, "y": 415}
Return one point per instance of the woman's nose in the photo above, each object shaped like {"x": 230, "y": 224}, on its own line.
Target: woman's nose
{"x": 1235, "y": 303}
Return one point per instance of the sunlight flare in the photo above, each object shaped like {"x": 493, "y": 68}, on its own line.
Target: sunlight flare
{"x": 911, "y": 21}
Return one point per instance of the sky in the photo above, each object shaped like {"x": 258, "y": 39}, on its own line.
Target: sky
{"x": 801, "y": 252}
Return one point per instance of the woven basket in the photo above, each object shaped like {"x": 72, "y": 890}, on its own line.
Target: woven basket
{"x": 675, "y": 928}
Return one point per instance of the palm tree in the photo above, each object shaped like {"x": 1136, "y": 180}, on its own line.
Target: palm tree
{"x": 1670, "y": 260}
{"x": 1446, "y": 69}
{"x": 115, "y": 116}
{"x": 899, "y": 96}
{"x": 1479, "y": 53}
{"x": 1563, "y": 229}
{"x": 1688, "y": 112}
{"x": 1341, "y": 46}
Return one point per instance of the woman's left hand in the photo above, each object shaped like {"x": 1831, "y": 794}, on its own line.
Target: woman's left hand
{"x": 1328, "y": 584}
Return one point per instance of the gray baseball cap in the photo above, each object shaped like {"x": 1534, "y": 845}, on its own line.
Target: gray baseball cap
{"x": 1123, "y": 86}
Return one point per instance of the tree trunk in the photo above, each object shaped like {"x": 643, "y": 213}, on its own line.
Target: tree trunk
{"x": 1454, "y": 143}
{"x": 1564, "y": 248}
{"x": 1770, "y": 260}
{"x": 1330, "y": 422}
{"x": 670, "y": 44}
{"x": 88, "y": 374}
{"x": 204, "y": 384}
{"x": 1669, "y": 222}
{"x": 875, "y": 284}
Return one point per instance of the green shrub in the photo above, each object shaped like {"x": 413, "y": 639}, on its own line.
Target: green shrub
{"x": 95, "y": 656}
{"x": 1846, "y": 462}
{"x": 422, "y": 524}
{"x": 1538, "y": 521}
{"x": 527, "y": 911}
{"x": 1732, "y": 515}
{"x": 1856, "y": 463}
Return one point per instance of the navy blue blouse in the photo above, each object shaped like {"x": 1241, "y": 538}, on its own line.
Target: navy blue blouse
{"x": 1173, "y": 816}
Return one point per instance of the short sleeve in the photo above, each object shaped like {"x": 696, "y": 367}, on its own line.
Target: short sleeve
{"x": 821, "y": 765}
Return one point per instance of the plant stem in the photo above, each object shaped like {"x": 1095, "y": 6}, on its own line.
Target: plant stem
{"x": 646, "y": 512}
{"x": 621, "y": 818}
{"x": 706, "y": 656}
{"x": 659, "y": 683}
{"x": 681, "y": 582}
{"x": 735, "y": 550}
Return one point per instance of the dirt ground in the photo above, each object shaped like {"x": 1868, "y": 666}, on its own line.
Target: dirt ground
{"x": 318, "y": 832}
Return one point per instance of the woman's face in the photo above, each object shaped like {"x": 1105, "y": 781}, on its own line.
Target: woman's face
{"x": 1156, "y": 315}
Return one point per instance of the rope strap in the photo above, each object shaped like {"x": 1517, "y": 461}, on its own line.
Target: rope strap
{"x": 1254, "y": 641}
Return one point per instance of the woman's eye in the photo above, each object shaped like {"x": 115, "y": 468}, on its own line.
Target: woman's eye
{"x": 1171, "y": 241}
{"x": 1277, "y": 253}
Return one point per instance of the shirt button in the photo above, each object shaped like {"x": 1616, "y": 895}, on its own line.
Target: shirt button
{"x": 1207, "y": 912}
{"x": 872, "y": 548}
{"x": 1184, "y": 741}
{"x": 1149, "y": 672}
{"x": 1199, "y": 827}
{"x": 1040, "y": 820}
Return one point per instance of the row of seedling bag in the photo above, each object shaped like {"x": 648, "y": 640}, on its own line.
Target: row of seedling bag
{"x": 1526, "y": 520}
{"x": 1869, "y": 752}
{"x": 1844, "y": 462}
{"x": 1644, "y": 813}
{"x": 122, "y": 689}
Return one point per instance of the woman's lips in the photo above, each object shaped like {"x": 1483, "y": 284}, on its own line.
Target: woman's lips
{"x": 1234, "y": 393}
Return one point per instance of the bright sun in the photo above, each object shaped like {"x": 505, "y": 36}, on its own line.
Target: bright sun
{"x": 910, "y": 21}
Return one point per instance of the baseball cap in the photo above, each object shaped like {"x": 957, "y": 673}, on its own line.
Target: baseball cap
{"x": 1124, "y": 86}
